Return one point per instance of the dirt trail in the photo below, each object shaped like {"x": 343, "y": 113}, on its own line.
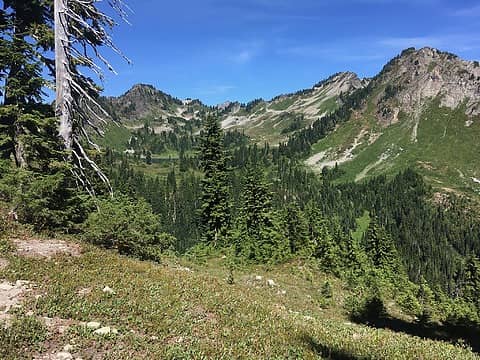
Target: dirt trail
{"x": 45, "y": 248}
{"x": 12, "y": 293}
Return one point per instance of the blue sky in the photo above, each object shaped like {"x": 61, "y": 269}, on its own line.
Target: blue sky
{"x": 218, "y": 50}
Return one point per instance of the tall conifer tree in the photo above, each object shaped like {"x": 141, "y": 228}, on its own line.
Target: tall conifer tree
{"x": 25, "y": 34}
{"x": 215, "y": 209}
{"x": 379, "y": 247}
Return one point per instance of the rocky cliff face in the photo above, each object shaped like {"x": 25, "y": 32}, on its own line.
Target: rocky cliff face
{"x": 146, "y": 102}
{"x": 418, "y": 76}
{"x": 421, "y": 111}
{"x": 344, "y": 82}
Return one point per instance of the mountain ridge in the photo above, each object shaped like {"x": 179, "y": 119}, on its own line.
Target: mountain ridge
{"x": 278, "y": 117}
{"x": 422, "y": 110}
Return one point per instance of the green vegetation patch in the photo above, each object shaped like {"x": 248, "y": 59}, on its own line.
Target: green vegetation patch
{"x": 187, "y": 310}
{"x": 116, "y": 137}
{"x": 282, "y": 105}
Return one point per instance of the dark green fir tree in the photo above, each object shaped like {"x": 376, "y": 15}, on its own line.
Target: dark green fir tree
{"x": 215, "y": 208}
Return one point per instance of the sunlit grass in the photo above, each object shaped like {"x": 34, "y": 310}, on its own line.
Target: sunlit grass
{"x": 171, "y": 311}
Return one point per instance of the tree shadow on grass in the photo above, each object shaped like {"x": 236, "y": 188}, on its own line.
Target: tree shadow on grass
{"x": 458, "y": 331}
{"x": 327, "y": 352}
{"x": 453, "y": 333}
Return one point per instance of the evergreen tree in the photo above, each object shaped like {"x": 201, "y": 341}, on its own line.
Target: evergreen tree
{"x": 24, "y": 34}
{"x": 259, "y": 236}
{"x": 471, "y": 284}
{"x": 379, "y": 247}
{"x": 296, "y": 229}
{"x": 257, "y": 199}
{"x": 324, "y": 245}
{"x": 426, "y": 298}
{"x": 215, "y": 208}
{"x": 327, "y": 249}
{"x": 353, "y": 256}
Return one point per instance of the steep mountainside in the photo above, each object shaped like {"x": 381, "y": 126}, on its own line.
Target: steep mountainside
{"x": 273, "y": 120}
{"x": 144, "y": 108}
{"x": 145, "y": 103}
{"x": 422, "y": 110}
{"x": 270, "y": 121}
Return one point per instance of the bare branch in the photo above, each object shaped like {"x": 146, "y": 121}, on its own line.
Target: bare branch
{"x": 81, "y": 29}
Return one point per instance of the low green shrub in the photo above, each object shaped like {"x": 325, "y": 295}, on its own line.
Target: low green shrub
{"x": 3, "y": 225}
{"x": 129, "y": 226}
{"x": 365, "y": 309}
{"x": 48, "y": 201}
{"x": 25, "y": 332}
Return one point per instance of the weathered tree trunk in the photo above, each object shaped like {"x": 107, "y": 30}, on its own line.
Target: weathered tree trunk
{"x": 64, "y": 98}
{"x": 19, "y": 148}
{"x": 13, "y": 100}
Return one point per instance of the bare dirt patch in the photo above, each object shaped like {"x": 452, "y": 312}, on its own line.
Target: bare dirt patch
{"x": 199, "y": 314}
{"x": 58, "y": 326}
{"x": 3, "y": 263}
{"x": 11, "y": 294}
{"x": 45, "y": 248}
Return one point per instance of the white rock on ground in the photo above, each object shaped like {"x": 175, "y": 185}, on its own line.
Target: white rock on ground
{"x": 68, "y": 348}
{"x": 108, "y": 290}
{"x": 184, "y": 268}
{"x": 11, "y": 294}
{"x": 19, "y": 283}
{"x": 93, "y": 325}
{"x": 103, "y": 331}
{"x": 259, "y": 278}
{"x": 84, "y": 291}
{"x": 106, "y": 330}
{"x": 63, "y": 356}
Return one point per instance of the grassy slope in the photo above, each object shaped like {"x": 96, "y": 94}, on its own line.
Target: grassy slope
{"x": 446, "y": 151}
{"x": 163, "y": 311}
{"x": 362, "y": 226}
{"x": 267, "y": 126}
{"x": 116, "y": 137}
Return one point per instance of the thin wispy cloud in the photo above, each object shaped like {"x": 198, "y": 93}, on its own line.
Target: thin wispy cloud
{"x": 377, "y": 50}
{"x": 468, "y": 12}
{"x": 246, "y": 51}
{"x": 213, "y": 90}
{"x": 452, "y": 42}
{"x": 340, "y": 52}
{"x": 243, "y": 56}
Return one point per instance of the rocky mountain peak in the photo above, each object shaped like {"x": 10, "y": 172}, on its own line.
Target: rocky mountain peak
{"x": 416, "y": 77}
{"x": 142, "y": 88}
{"x": 343, "y": 82}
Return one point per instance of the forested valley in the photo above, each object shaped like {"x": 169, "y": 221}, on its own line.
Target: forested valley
{"x": 399, "y": 254}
